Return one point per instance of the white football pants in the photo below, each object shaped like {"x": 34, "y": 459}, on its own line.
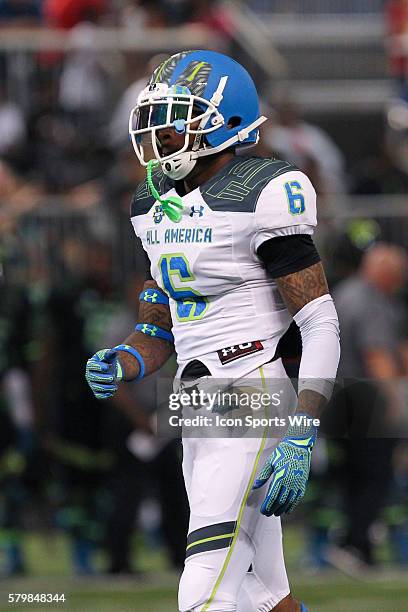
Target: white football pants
{"x": 227, "y": 532}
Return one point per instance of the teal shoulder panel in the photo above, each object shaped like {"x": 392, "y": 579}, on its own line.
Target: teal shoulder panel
{"x": 143, "y": 199}
{"x": 238, "y": 186}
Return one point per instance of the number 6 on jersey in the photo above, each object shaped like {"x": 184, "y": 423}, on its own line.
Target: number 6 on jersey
{"x": 296, "y": 199}
{"x": 191, "y": 305}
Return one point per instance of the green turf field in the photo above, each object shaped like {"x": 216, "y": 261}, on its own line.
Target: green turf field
{"x": 156, "y": 589}
{"x": 330, "y": 593}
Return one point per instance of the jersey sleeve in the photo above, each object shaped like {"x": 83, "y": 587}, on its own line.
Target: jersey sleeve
{"x": 286, "y": 206}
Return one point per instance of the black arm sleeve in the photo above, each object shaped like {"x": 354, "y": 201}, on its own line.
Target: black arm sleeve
{"x": 288, "y": 254}
{"x": 142, "y": 260}
{"x": 147, "y": 266}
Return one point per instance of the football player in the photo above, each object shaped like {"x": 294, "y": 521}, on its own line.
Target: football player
{"x": 232, "y": 262}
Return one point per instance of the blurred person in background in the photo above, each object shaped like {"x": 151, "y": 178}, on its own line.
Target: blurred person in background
{"x": 74, "y": 429}
{"x": 382, "y": 171}
{"x": 307, "y": 146}
{"x": 12, "y": 496}
{"x": 367, "y": 410}
{"x": 22, "y": 473}
{"x": 18, "y": 195}
{"x": 20, "y": 13}
{"x": 67, "y": 14}
{"x": 142, "y": 14}
{"x": 210, "y": 14}
{"x": 396, "y": 18}
{"x": 64, "y": 150}
{"x": 396, "y": 513}
{"x": 89, "y": 76}
{"x": 16, "y": 422}
{"x": 12, "y": 123}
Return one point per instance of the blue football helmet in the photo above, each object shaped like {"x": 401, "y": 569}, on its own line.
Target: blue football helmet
{"x": 201, "y": 93}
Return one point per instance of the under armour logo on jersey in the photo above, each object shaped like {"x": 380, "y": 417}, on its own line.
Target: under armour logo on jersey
{"x": 158, "y": 213}
{"x": 197, "y": 210}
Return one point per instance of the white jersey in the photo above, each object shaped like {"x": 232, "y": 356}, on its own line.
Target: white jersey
{"x": 219, "y": 292}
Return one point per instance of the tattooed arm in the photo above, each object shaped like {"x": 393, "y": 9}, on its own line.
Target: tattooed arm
{"x": 155, "y": 351}
{"x": 318, "y": 324}
{"x": 302, "y": 287}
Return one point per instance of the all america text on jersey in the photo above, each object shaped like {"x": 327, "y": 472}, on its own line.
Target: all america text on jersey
{"x": 179, "y": 235}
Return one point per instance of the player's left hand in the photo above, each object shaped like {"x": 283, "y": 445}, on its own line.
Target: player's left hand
{"x": 289, "y": 466}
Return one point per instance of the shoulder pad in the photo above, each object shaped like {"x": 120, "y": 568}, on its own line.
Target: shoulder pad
{"x": 237, "y": 189}
{"x": 143, "y": 199}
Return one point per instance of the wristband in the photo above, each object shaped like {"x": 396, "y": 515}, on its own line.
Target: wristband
{"x": 136, "y": 355}
{"x": 154, "y": 331}
{"x": 154, "y": 296}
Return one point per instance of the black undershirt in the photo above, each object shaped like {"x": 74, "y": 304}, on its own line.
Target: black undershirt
{"x": 148, "y": 275}
{"x": 288, "y": 254}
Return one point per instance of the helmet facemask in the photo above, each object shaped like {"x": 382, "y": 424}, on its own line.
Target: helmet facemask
{"x": 161, "y": 107}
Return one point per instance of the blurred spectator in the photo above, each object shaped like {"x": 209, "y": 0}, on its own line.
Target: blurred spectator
{"x": 210, "y": 14}
{"x": 12, "y": 124}
{"x": 119, "y": 185}
{"x": 344, "y": 249}
{"x": 16, "y": 421}
{"x": 141, "y": 14}
{"x": 305, "y": 145}
{"x": 64, "y": 148}
{"x": 84, "y": 83}
{"x": 368, "y": 407}
{"x": 374, "y": 351}
{"x": 380, "y": 172}
{"x": 177, "y": 11}
{"x": 68, "y": 13}
{"x": 20, "y": 12}
{"x": 396, "y": 514}
{"x": 20, "y": 474}
{"x": 118, "y": 128}
{"x": 73, "y": 425}
{"x": 12, "y": 465}
{"x": 396, "y": 16}
{"x": 17, "y": 196}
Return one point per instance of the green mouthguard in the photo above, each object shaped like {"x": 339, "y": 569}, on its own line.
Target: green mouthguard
{"x": 172, "y": 206}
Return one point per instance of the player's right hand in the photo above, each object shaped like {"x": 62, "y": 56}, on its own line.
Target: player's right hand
{"x": 103, "y": 372}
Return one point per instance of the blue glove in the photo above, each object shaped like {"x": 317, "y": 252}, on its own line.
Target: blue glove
{"x": 103, "y": 372}
{"x": 289, "y": 466}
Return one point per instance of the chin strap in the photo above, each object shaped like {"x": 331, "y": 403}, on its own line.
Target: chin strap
{"x": 173, "y": 205}
{"x": 241, "y": 136}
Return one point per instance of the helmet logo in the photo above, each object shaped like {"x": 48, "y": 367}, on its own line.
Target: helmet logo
{"x": 195, "y": 77}
{"x": 163, "y": 73}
